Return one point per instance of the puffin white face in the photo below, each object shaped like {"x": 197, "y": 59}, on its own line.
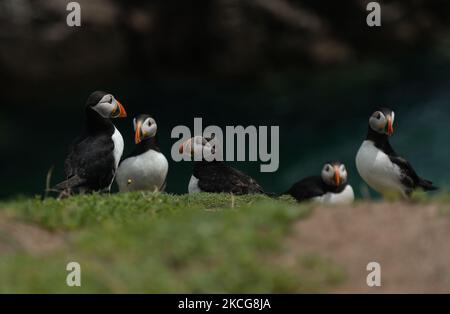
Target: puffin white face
{"x": 109, "y": 108}
{"x": 197, "y": 147}
{"x": 334, "y": 174}
{"x": 144, "y": 128}
{"x": 382, "y": 123}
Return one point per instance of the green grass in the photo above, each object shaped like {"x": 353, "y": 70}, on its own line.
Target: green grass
{"x": 149, "y": 243}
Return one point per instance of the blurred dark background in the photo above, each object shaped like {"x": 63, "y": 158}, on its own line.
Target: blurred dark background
{"x": 312, "y": 67}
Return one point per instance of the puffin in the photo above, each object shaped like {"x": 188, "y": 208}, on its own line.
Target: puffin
{"x": 94, "y": 156}
{"x": 214, "y": 176}
{"x": 146, "y": 168}
{"x": 380, "y": 166}
{"x": 331, "y": 187}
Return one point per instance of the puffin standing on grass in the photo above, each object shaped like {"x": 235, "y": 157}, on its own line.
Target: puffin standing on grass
{"x": 380, "y": 166}
{"x": 214, "y": 176}
{"x": 146, "y": 168}
{"x": 330, "y": 187}
{"x": 94, "y": 157}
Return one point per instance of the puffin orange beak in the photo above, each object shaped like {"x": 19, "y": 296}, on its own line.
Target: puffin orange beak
{"x": 390, "y": 127}
{"x": 137, "y": 135}
{"x": 337, "y": 176}
{"x": 122, "y": 112}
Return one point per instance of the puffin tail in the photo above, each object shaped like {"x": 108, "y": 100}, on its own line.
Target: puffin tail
{"x": 67, "y": 187}
{"x": 427, "y": 185}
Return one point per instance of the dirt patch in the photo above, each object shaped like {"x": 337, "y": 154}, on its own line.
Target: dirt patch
{"x": 411, "y": 243}
{"x": 19, "y": 236}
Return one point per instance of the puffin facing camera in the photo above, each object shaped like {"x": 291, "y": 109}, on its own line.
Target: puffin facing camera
{"x": 334, "y": 174}
{"x": 144, "y": 127}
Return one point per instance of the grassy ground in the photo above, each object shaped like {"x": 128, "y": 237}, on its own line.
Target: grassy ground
{"x": 148, "y": 243}
{"x": 156, "y": 243}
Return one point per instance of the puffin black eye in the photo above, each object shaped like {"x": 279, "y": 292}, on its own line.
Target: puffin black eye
{"x": 377, "y": 115}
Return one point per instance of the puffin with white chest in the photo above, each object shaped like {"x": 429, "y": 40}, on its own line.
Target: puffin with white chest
{"x": 146, "y": 168}
{"x": 331, "y": 187}
{"x": 94, "y": 156}
{"x": 214, "y": 176}
{"x": 380, "y": 166}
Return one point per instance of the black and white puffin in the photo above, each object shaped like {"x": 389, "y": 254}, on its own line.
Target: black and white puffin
{"x": 94, "y": 156}
{"x": 146, "y": 168}
{"x": 331, "y": 187}
{"x": 380, "y": 166}
{"x": 214, "y": 176}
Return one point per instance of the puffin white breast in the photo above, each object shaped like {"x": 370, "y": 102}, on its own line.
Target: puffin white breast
{"x": 377, "y": 170}
{"x": 147, "y": 171}
{"x": 118, "y": 146}
{"x": 343, "y": 198}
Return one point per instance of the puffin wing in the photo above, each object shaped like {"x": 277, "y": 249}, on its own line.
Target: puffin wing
{"x": 307, "y": 188}
{"x": 221, "y": 178}
{"x": 244, "y": 182}
{"x": 409, "y": 177}
{"x": 90, "y": 162}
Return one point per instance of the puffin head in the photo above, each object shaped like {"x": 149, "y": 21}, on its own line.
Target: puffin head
{"x": 106, "y": 105}
{"x": 334, "y": 174}
{"x": 198, "y": 146}
{"x": 144, "y": 127}
{"x": 382, "y": 121}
